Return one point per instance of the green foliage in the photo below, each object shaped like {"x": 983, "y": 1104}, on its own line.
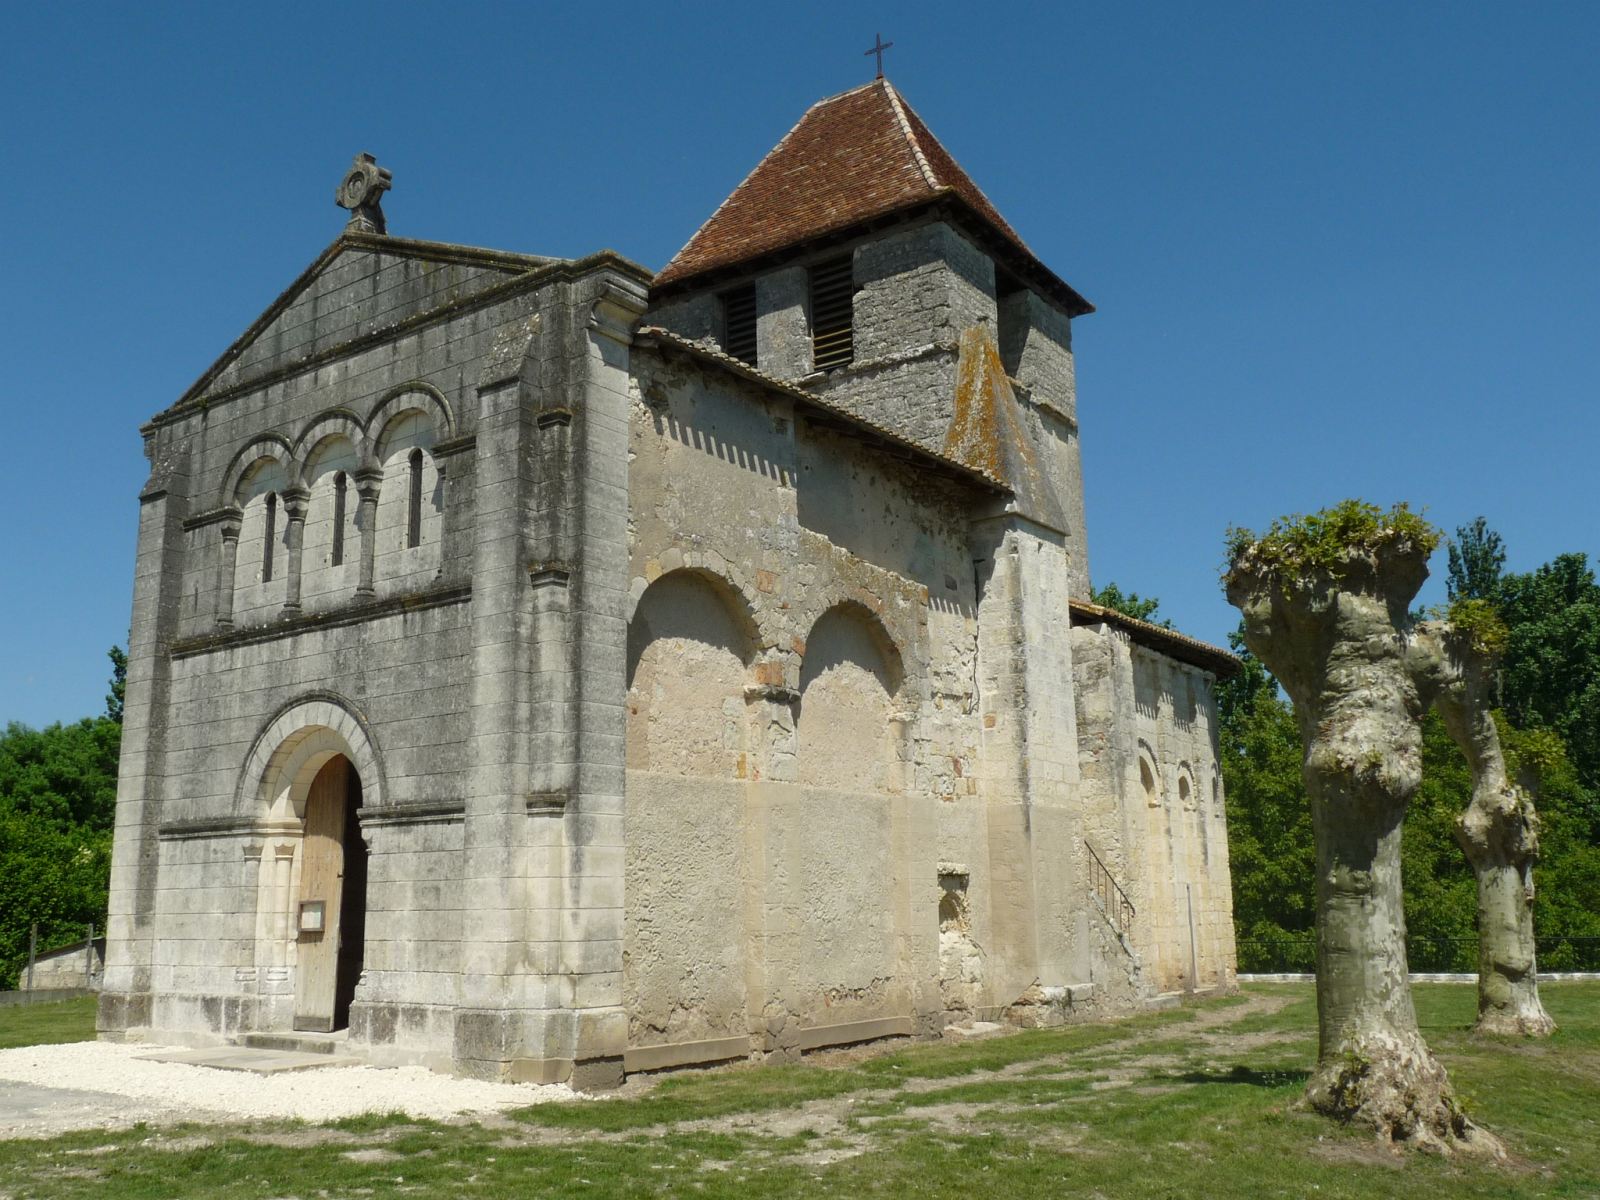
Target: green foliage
{"x": 1270, "y": 843}
{"x": 58, "y": 793}
{"x": 1480, "y": 622}
{"x": 1550, "y": 674}
{"x": 1130, "y": 604}
{"x": 119, "y": 683}
{"x": 1321, "y": 543}
{"x": 1441, "y": 893}
{"x": 1477, "y": 559}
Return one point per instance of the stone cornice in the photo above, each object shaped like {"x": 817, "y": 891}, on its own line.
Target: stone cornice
{"x": 215, "y": 516}
{"x": 415, "y": 812}
{"x": 303, "y": 622}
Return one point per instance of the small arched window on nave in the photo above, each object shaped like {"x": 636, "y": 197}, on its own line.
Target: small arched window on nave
{"x": 260, "y": 565}
{"x": 330, "y": 558}
{"x": 414, "y": 500}
{"x": 410, "y": 518}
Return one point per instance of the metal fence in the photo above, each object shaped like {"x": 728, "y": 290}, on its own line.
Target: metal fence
{"x": 1429, "y": 955}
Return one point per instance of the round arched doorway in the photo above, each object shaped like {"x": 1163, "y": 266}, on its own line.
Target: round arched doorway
{"x": 331, "y": 909}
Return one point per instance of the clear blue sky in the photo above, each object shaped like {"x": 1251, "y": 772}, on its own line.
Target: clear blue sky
{"x": 1337, "y": 250}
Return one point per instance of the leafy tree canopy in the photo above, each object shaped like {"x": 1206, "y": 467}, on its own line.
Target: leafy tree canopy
{"x": 58, "y": 795}
{"x": 1477, "y": 560}
{"x": 1130, "y": 604}
{"x": 1303, "y": 545}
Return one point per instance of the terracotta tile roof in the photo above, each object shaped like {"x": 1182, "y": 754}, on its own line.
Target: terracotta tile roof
{"x": 842, "y": 418}
{"x": 852, "y": 158}
{"x": 1159, "y": 638}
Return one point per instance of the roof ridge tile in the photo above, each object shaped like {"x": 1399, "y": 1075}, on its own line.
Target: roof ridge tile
{"x": 911, "y": 137}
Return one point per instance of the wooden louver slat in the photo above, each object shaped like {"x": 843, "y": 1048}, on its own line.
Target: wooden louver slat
{"x": 832, "y": 314}
{"x": 739, "y": 323}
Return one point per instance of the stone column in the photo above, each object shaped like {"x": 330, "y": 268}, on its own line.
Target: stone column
{"x": 294, "y": 510}
{"x": 226, "y": 564}
{"x": 369, "y": 481}
{"x": 251, "y": 888}
{"x": 282, "y": 902}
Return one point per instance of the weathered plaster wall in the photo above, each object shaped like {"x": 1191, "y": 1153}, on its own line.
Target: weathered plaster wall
{"x": 841, "y": 673}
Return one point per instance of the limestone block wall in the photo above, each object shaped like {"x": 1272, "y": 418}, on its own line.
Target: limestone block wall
{"x": 919, "y": 288}
{"x": 416, "y": 654}
{"x": 1153, "y": 802}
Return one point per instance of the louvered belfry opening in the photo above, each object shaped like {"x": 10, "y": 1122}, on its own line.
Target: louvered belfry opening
{"x": 739, "y": 323}
{"x": 833, "y": 290}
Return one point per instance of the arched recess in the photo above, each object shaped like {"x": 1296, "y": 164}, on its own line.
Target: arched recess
{"x": 248, "y": 458}
{"x": 690, "y": 641}
{"x": 850, "y": 675}
{"x": 261, "y": 563}
{"x": 417, "y": 395}
{"x": 1187, "y": 796}
{"x": 293, "y": 746}
{"x": 684, "y": 935}
{"x": 1149, "y": 776}
{"x": 314, "y": 743}
{"x": 336, "y": 422}
{"x": 330, "y": 555}
{"x": 410, "y": 516}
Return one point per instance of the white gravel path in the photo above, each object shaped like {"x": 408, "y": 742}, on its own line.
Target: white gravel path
{"x": 136, "y": 1090}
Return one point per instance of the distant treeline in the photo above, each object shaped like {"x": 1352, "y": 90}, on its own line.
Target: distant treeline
{"x": 58, "y": 800}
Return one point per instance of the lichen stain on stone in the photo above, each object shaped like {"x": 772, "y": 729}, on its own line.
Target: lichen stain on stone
{"x": 986, "y": 426}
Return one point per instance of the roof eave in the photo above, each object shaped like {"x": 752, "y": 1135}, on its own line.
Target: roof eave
{"x": 1179, "y": 646}
{"x": 829, "y": 414}
{"x": 996, "y": 242}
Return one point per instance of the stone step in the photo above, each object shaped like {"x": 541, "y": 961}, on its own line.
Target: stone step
{"x": 250, "y": 1058}
{"x": 298, "y": 1042}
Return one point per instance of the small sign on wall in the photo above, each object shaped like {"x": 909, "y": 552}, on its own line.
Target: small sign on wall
{"x": 311, "y": 916}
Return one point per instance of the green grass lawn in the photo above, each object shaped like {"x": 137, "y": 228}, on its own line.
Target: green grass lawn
{"x": 1197, "y": 1102}
{"x": 39, "y": 1024}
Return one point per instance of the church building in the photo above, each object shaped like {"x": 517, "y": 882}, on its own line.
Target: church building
{"x": 543, "y": 669}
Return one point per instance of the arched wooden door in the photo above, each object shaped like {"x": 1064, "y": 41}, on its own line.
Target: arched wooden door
{"x": 331, "y": 913}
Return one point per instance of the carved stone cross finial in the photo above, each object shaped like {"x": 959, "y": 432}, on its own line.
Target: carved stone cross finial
{"x": 361, "y": 191}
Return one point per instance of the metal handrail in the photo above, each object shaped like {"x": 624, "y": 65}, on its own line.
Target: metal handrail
{"x": 1114, "y": 901}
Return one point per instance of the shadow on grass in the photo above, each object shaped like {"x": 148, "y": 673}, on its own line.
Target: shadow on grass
{"x": 1246, "y": 1076}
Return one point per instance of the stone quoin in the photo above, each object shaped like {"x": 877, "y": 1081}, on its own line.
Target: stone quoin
{"x": 540, "y": 669}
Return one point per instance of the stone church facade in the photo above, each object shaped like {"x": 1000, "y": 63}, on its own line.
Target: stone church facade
{"x": 543, "y": 669}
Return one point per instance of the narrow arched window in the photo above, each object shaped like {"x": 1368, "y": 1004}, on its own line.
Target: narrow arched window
{"x": 271, "y": 536}
{"x": 414, "y": 502}
{"x": 338, "y": 519}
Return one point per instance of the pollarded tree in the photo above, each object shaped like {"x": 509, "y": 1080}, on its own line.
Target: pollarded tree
{"x": 1454, "y": 660}
{"x": 1326, "y": 602}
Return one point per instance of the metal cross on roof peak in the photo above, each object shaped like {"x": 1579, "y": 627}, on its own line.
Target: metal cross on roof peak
{"x": 878, "y": 50}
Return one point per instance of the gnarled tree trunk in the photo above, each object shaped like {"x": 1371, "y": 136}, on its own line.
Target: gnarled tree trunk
{"x": 1336, "y": 639}
{"x": 1499, "y": 833}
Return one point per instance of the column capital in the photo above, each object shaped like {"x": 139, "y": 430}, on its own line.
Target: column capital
{"x": 294, "y": 502}
{"x": 230, "y": 520}
{"x": 367, "y": 480}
